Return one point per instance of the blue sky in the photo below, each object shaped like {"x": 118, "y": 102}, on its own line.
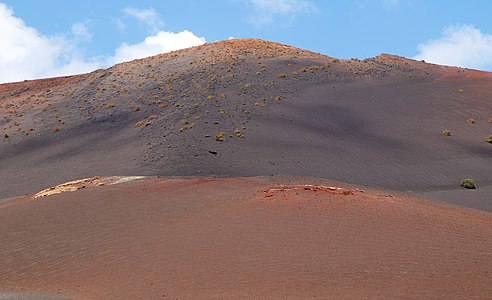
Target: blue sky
{"x": 55, "y": 37}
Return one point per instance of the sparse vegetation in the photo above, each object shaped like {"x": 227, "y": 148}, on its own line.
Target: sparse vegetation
{"x": 260, "y": 104}
{"x": 446, "y": 132}
{"x": 220, "y": 136}
{"x": 238, "y": 133}
{"x": 468, "y": 183}
{"x": 489, "y": 139}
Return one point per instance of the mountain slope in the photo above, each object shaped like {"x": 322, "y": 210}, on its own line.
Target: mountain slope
{"x": 281, "y": 110}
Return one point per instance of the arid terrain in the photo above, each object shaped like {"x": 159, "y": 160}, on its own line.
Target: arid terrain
{"x": 242, "y": 142}
{"x": 243, "y": 238}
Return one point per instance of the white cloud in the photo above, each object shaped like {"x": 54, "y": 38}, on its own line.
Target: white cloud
{"x": 267, "y": 10}
{"x": 148, "y": 16}
{"x": 459, "y": 45}
{"x": 25, "y": 53}
{"x": 161, "y": 42}
{"x": 81, "y": 31}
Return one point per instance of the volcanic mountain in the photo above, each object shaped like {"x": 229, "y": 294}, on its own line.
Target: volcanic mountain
{"x": 249, "y": 107}
{"x": 153, "y": 179}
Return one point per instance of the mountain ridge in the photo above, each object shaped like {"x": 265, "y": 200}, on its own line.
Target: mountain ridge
{"x": 249, "y": 108}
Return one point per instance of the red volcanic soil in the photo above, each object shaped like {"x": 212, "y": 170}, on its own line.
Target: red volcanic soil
{"x": 242, "y": 238}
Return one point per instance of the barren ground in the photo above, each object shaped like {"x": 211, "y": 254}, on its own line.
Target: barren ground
{"x": 243, "y": 238}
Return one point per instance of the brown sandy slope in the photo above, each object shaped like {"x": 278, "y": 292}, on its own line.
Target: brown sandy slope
{"x": 375, "y": 122}
{"x": 243, "y": 238}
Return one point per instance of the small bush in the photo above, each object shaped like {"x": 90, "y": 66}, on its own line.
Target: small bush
{"x": 470, "y": 121}
{"x": 221, "y": 111}
{"x": 223, "y": 95}
{"x": 468, "y": 183}
{"x": 238, "y": 133}
{"x": 489, "y": 139}
{"x": 281, "y": 75}
{"x": 460, "y": 91}
{"x": 56, "y": 128}
{"x": 210, "y": 97}
{"x": 138, "y": 124}
{"x": 152, "y": 117}
{"x": 6, "y": 135}
{"x": 137, "y": 108}
{"x": 220, "y": 136}
{"x": 446, "y": 132}
{"x": 490, "y": 120}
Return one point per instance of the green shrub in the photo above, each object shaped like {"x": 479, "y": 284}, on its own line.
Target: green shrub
{"x": 468, "y": 183}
